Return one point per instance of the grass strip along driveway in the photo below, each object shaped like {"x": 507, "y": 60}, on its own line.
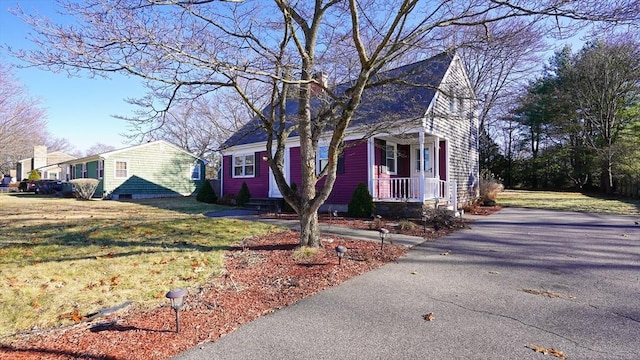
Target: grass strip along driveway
{"x": 569, "y": 201}
{"x": 62, "y": 259}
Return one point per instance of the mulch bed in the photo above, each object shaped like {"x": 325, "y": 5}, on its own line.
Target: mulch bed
{"x": 262, "y": 276}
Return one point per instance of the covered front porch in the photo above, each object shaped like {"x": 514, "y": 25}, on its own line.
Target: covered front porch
{"x": 412, "y": 167}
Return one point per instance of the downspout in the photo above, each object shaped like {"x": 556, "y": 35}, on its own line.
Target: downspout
{"x": 421, "y": 164}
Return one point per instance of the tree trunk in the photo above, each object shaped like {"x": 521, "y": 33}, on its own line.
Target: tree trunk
{"x": 309, "y": 230}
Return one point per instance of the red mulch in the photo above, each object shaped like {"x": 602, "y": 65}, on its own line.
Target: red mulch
{"x": 262, "y": 276}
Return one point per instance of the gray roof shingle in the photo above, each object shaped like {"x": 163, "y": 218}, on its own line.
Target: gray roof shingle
{"x": 406, "y": 93}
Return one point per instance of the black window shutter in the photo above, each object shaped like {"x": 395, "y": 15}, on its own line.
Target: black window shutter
{"x": 383, "y": 157}
{"x": 256, "y": 162}
{"x": 231, "y": 166}
{"x": 340, "y": 165}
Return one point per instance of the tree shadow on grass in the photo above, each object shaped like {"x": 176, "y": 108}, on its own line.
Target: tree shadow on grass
{"x": 19, "y": 352}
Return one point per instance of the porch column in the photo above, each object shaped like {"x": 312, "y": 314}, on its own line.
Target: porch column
{"x": 421, "y": 162}
{"x": 371, "y": 157}
{"x": 436, "y": 160}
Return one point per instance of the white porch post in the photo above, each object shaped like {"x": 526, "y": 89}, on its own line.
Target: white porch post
{"x": 436, "y": 160}
{"x": 371, "y": 157}
{"x": 421, "y": 162}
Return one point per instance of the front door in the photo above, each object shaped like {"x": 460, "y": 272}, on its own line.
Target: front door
{"x": 274, "y": 191}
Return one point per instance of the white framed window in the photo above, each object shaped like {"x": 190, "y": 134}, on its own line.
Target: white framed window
{"x": 391, "y": 154}
{"x": 196, "y": 171}
{"x": 244, "y": 165}
{"x": 121, "y": 170}
{"x": 322, "y": 158}
{"x": 72, "y": 172}
{"x": 84, "y": 171}
{"x": 100, "y": 169}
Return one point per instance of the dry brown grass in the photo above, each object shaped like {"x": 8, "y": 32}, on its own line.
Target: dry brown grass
{"x": 63, "y": 258}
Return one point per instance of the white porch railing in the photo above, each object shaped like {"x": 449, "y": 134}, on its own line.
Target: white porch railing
{"x": 408, "y": 189}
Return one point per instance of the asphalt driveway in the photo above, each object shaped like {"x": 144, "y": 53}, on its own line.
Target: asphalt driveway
{"x": 568, "y": 281}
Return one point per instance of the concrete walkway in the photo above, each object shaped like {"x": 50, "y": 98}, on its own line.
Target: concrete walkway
{"x": 568, "y": 281}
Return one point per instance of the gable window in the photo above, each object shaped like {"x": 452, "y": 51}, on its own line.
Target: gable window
{"x": 461, "y": 107}
{"x": 244, "y": 165}
{"x": 121, "y": 169}
{"x": 100, "y": 169}
{"x": 452, "y": 101}
{"x": 391, "y": 154}
{"x": 195, "y": 171}
{"x": 84, "y": 170}
{"x": 322, "y": 159}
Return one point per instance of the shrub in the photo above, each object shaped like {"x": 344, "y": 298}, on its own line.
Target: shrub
{"x": 287, "y": 208}
{"x": 490, "y": 187}
{"x": 407, "y": 225}
{"x": 206, "y": 193}
{"x": 361, "y": 204}
{"x": 85, "y": 188}
{"x": 243, "y": 195}
{"x": 441, "y": 219}
{"x": 34, "y": 175}
{"x": 228, "y": 199}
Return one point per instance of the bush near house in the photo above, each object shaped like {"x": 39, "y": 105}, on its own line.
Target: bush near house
{"x": 85, "y": 188}
{"x": 243, "y": 195}
{"x": 206, "y": 194}
{"x": 361, "y": 204}
{"x": 490, "y": 187}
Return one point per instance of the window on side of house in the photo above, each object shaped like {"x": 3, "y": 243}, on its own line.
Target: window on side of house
{"x": 100, "y": 169}
{"x": 452, "y": 101}
{"x": 121, "y": 169}
{"x": 195, "y": 171}
{"x": 322, "y": 158}
{"x": 391, "y": 154}
{"x": 72, "y": 172}
{"x": 84, "y": 171}
{"x": 243, "y": 165}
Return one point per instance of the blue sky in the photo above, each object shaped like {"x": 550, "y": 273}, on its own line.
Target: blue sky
{"x": 78, "y": 109}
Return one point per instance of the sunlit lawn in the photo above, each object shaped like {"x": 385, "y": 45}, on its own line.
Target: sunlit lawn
{"x": 63, "y": 258}
{"x": 569, "y": 201}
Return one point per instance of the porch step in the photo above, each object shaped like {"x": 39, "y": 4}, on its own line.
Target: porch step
{"x": 265, "y": 204}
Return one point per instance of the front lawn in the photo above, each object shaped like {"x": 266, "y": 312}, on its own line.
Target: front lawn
{"x": 61, "y": 259}
{"x": 569, "y": 201}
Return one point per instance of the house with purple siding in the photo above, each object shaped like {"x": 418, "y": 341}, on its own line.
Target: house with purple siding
{"x": 413, "y": 139}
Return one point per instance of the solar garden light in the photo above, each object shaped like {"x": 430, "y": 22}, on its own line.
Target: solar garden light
{"x": 383, "y": 234}
{"x": 340, "y": 251}
{"x": 176, "y": 296}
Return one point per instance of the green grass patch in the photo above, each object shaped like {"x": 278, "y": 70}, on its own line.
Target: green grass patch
{"x": 61, "y": 256}
{"x": 569, "y": 201}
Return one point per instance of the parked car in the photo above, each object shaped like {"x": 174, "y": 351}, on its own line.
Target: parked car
{"x": 27, "y": 185}
{"x": 47, "y": 186}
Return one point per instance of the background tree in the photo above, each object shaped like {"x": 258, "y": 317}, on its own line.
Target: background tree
{"x": 186, "y": 49}
{"x": 601, "y": 85}
{"x": 98, "y": 149}
{"x": 22, "y": 121}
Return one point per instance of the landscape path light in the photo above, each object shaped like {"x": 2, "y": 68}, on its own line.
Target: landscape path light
{"x": 383, "y": 234}
{"x": 176, "y": 296}
{"x": 340, "y": 251}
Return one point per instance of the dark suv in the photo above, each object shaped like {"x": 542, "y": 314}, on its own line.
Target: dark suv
{"x": 47, "y": 186}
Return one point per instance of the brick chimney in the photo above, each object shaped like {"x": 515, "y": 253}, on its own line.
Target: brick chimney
{"x": 321, "y": 80}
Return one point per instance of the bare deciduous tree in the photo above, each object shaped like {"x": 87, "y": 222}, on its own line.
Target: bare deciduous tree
{"x": 186, "y": 49}
{"x": 22, "y": 122}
